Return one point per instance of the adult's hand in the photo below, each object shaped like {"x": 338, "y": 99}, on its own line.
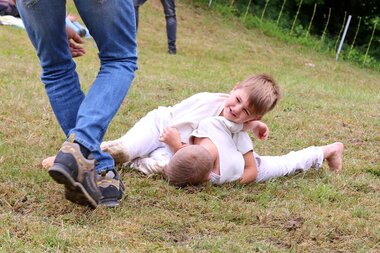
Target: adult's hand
{"x": 74, "y": 43}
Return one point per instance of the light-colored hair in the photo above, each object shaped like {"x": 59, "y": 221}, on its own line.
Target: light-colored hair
{"x": 263, "y": 92}
{"x": 190, "y": 165}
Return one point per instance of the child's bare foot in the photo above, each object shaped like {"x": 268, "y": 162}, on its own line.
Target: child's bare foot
{"x": 48, "y": 162}
{"x": 117, "y": 150}
{"x": 333, "y": 153}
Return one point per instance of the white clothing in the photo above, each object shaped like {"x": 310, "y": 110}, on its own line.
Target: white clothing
{"x": 155, "y": 163}
{"x": 269, "y": 167}
{"x": 143, "y": 138}
{"x": 232, "y": 145}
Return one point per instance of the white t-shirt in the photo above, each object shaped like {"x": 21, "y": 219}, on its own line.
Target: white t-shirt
{"x": 231, "y": 143}
{"x": 186, "y": 115}
{"x": 143, "y": 137}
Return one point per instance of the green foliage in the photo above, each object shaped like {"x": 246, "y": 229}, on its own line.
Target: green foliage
{"x": 298, "y": 30}
{"x": 358, "y": 57}
{"x": 226, "y": 11}
{"x": 375, "y": 172}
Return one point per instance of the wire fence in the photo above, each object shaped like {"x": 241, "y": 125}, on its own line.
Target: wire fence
{"x": 259, "y": 12}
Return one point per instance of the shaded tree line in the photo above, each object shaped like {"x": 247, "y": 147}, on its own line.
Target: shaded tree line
{"x": 335, "y": 12}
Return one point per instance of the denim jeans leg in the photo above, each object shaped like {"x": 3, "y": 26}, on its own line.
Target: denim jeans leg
{"x": 112, "y": 25}
{"x": 45, "y": 24}
{"x": 171, "y": 23}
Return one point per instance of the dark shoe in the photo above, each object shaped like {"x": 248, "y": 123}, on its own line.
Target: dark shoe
{"x": 172, "y": 51}
{"x": 111, "y": 188}
{"x": 77, "y": 173}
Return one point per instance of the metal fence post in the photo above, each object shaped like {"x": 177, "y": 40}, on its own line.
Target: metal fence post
{"x": 343, "y": 37}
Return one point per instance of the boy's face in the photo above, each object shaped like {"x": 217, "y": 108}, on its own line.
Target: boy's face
{"x": 237, "y": 109}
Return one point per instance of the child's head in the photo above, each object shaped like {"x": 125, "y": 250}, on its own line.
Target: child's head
{"x": 252, "y": 99}
{"x": 191, "y": 165}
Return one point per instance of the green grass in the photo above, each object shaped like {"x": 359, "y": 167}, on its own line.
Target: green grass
{"x": 313, "y": 212}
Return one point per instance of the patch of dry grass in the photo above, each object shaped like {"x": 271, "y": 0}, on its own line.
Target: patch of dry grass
{"x": 313, "y": 212}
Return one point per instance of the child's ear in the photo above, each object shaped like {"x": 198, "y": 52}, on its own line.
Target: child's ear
{"x": 207, "y": 178}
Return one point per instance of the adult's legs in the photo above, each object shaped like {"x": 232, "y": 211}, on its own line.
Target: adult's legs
{"x": 44, "y": 21}
{"x": 171, "y": 24}
{"x": 84, "y": 118}
{"x": 115, "y": 36}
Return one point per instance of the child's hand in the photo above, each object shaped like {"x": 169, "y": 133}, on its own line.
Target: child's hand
{"x": 172, "y": 138}
{"x": 259, "y": 129}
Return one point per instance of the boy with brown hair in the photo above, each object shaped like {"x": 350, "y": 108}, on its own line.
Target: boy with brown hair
{"x": 142, "y": 145}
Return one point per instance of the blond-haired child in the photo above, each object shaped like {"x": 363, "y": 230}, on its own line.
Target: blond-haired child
{"x": 142, "y": 146}
{"x": 231, "y": 151}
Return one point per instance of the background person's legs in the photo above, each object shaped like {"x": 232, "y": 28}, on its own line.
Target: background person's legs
{"x": 136, "y": 4}
{"x": 171, "y": 24}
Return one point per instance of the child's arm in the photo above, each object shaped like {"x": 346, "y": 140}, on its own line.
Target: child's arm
{"x": 250, "y": 169}
{"x": 172, "y": 138}
{"x": 259, "y": 129}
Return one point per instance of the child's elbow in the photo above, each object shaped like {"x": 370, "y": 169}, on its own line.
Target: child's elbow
{"x": 249, "y": 176}
{"x": 244, "y": 180}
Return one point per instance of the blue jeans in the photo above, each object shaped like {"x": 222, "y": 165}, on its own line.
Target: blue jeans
{"x": 171, "y": 20}
{"x": 112, "y": 25}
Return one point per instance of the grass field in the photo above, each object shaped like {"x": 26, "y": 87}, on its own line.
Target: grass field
{"x": 324, "y": 101}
